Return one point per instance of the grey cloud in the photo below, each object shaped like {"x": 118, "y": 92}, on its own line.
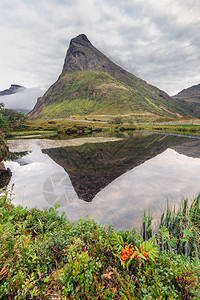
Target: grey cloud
{"x": 156, "y": 40}
{"x": 24, "y": 99}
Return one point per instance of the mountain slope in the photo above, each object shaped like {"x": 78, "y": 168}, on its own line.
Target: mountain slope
{"x": 190, "y": 99}
{"x": 191, "y": 94}
{"x": 92, "y": 83}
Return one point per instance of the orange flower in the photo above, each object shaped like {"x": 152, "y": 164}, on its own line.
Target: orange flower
{"x": 126, "y": 253}
{"x": 145, "y": 254}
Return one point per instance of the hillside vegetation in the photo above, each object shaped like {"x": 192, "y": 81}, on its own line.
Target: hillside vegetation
{"x": 191, "y": 95}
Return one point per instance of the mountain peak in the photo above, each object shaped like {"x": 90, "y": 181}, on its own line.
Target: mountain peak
{"x": 14, "y": 88}
{"x": 80, "y": 39}
{"x": 90, "y": 83}
{"x": 83, "y": 56}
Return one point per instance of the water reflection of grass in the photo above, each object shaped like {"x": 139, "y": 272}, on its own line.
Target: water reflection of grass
{"x": 30, "y": 133}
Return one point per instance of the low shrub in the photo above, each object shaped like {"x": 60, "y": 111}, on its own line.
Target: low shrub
{"x": 44, "y": 256}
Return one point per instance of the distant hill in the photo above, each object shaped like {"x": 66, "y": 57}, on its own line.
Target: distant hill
{"x": 20, "y": 98}
{"x": 14, "y": 88}
{"x": 191, "y": 94}
{"x": 90, "y": 83}
{"x": 190, "y": 97}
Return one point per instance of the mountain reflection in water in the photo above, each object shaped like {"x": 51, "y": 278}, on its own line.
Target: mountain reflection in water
{"x": 91, "y": 167}
{"x": 120, "y": 179}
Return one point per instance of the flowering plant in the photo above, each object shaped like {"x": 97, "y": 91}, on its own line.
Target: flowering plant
{"x": 129, "y": 253}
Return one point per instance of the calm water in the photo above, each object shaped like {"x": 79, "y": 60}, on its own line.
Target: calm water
{"x": 112, "y": 180}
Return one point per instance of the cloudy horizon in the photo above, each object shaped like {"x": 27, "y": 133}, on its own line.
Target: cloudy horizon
{"x": 23, "y": 100}
{"x": 157, "y": 41}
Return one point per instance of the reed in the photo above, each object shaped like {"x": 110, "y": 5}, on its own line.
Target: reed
{"x": 179, "y": 229}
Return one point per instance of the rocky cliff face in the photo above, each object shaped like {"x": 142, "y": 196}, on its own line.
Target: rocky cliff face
{"x": 83, "y": 56}
{"x": 90, "y": 83}
{"x": 14, "y": 88}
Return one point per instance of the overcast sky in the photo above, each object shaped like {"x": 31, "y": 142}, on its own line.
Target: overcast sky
{"x": 157, "y": 40}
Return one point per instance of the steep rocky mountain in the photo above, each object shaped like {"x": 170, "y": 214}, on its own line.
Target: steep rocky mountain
{"x": 14, "y": 88}
{"x": 191, "y": 94}
{"x": 90, "y": 83}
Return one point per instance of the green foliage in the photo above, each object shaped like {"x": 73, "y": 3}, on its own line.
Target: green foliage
{"x": 118, "y": 120}
{"x": 10, "y": 118}
{"x": 179, "y": 228}
{"x": 183, "y": 226}
{"x": 152, "y": 250}
{"x": 78, "y": 275}
{"x": 44, "y": 256}
{"x": 130, "y": 121}
{"x": 3, "y": 147}
{"x": 183, "y": 129}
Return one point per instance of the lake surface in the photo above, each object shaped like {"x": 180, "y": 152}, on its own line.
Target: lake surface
{"x": 110, "y": 179}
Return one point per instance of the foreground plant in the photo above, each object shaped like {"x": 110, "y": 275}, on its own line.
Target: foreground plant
{"x": 44, "y": 256}
{"x": 128, "y": 254}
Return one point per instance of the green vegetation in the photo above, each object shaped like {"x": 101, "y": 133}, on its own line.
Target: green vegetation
{"x": 179, "y": 128}
{"x": 10, "y": 118}
{"x": 63, "y": 127}
{"x": 96, "y": 92}
{"x": 117, "y": 120}
{"x": 179, "y": 229}
{"x": 44, "y": 256}
{"x": 3, "y": 147}
{"x": 83, "y": 93}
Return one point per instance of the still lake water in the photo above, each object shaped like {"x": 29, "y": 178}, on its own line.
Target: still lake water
{"x": 110, "y": 179}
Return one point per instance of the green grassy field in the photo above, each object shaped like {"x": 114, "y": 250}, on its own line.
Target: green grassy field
{"x": 81, "y": 125}
{"x": 184, "y": 129}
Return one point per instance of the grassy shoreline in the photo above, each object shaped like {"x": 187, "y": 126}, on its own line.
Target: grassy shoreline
{"x": 183, "y": 129}
{"x": 54, "y": 127}
{"x": 44, "y": 256}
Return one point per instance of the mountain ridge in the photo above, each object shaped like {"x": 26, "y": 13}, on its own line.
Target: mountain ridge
{"x": 190, "y": 94}
{"x": 14, "y": 88}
